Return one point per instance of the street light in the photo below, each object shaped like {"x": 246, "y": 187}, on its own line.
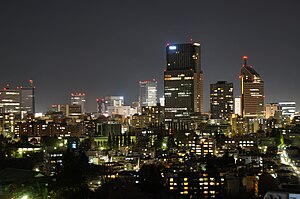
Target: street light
{"x": 25, "y": 197}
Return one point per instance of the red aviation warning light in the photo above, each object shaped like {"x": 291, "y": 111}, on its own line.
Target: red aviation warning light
{"x": 31, "y": 82}
{"x": 245, "y": 60}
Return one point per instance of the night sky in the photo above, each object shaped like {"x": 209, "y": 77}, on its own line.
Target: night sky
{"x": 106, "y": 47}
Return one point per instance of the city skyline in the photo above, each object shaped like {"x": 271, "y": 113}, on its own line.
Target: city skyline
{"x": 63, "y": 51}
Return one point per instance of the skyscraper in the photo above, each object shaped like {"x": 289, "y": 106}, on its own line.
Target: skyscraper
{"x": 27, "y": 99}
{"x": 183, "y": 81}
{"x": 148, "y": 93}
{"x": 288, "y": 108}
{"x": 221, "y": 100}
{"x": 79, "y": 99}
{"x": 19, "y": 101}
{"x": 271, "y": 109}
{"x": 252, "y": 92}
{"x": 114, "y": 101}
{"x": 101, "y": 108}
{"x": 237, "y": 106}
{"x": 10, "y": 100}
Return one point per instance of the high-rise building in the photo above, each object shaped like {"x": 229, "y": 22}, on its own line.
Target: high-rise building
{"x": 252, "y": 92}
{"x": 115, "y": 106}
{"x": 148, "y": 93}
{"x": 79, "y": 99}
{"x": 101, "y": 108}
{"x": 109, "y": 104}
{"x": 271, "y": 109}
{"x": 27, "y": 99}
{"x": 114, "y": 100}
{"x": 288, "y": 108}
{"x": 237, "y": 106}
{"x": 7, "y": 124}
{"x": 19, "y": 101}
{"x": 10, "y": 100}
{"x": 221, "y": 100}
{"x": 183, "y": 81}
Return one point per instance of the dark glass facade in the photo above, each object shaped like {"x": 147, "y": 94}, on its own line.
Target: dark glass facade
{"x": 183, "y": 81}
{"x": 221, "y": 100}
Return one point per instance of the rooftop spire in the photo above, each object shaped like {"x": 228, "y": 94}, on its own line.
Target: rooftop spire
{"x": 245, "y": 58}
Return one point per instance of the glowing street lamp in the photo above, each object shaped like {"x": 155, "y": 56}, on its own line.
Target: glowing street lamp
{"x": 25, "y": 197}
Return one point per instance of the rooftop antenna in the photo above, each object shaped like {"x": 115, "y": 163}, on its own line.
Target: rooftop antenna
{"x": 245, "y": 58}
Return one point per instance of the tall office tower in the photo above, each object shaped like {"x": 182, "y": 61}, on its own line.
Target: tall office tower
{"x": 79, "y": 99}
{"x": 183, "y": 81}
{"x": 27, "y": 99}
{"x": 252, "y": 92}
{"x": 10, "y": 100}
{"x": 101, "y": 108}
{"x": 115, "y": 106}
{"x": 114, "y": 101}
{"x": 221, "y": 100}
{"x": 148, "y": 93}
{"x": 288, "y": 108}
{"x": 237, "y": 106}
{"x": 271, "y": 109}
